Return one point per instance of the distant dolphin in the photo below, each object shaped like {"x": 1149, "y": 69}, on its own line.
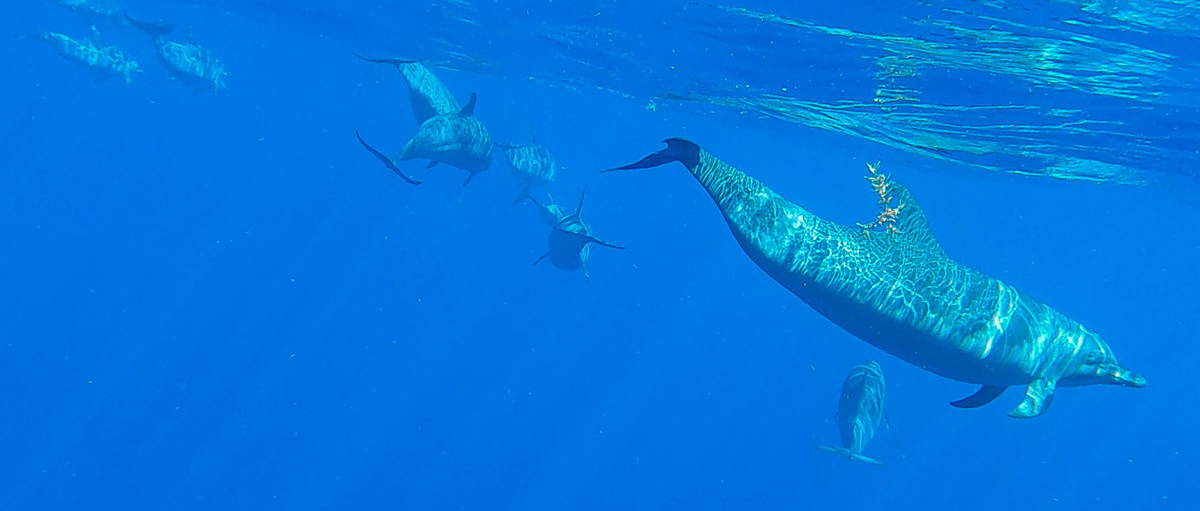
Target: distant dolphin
{"x": 899, "y": 291}
{"x": 456, "y": 139}
{"x": 105, "y": 60}
{"x": 531, "y": 163}
{"x": 860, "y": 411}
{"x": 188, "y": 62}
{"x": 95, "y": 10}
{"x": 570, "y": 238}
{"x": 427, "y": 95}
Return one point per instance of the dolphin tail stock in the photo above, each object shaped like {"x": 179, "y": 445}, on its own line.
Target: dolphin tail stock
{"x": 678, "y": 149}
{"x": 151, "y": 29}
{"x": 850, "y": 455}
{"x": 386, "y": 161}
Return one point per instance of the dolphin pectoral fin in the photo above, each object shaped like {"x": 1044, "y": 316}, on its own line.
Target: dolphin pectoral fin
{"x": 547, "y": 254}
{"x": 469, "y": 110}
{"x": 985, "y": 395}
{"x": 1038, "y": 395}
{"x": 469, "y": 178}
{"x": 848, "y": 454}
{"x": 386, "y": 161}
{"x": 430, "y": 165}
{"x": 394, "y": 62}
{"x": 589, "y": 239}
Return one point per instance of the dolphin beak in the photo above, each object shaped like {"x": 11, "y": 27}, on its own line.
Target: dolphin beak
{"x": 1127, "y": 378}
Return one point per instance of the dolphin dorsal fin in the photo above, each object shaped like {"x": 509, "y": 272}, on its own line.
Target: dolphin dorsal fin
{"x": 469, "y": 110}
{"x": 901, "y": 216}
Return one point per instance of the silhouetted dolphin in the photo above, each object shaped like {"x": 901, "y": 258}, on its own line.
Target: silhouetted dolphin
{"x": 860, "y": 411}
{"x": 570, "y": 238}
{"x": 105, "y": 60}
{"x": 187, "y": 62}
{"x": 426, "y": 93}
{"x": 531, "y": 163}
{"x": 899, "y": 291}
{"x": 456, "y": 139}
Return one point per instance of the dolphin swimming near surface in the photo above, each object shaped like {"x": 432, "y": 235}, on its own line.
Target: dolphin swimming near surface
{"x": 860, "y": 411}
{"x": 570, "y": 239}
{"x": 531, "y": 163}
{"x": 95, "y": 10}
{"x": 105, "y": 60}
{"x": 457, "y": 139}
{"x": 427, "y": 95}
{"x": 898, "y": 290}
{"x": 188, "y": 62}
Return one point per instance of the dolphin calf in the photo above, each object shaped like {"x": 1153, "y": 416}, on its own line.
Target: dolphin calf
{"x": 187, "y": 62}
{"x": 570, "y": 239}
{"x": 860, "y": 411}
{"x": 898, "y": 290}
{"x": 457, "y": 139}
{"x": 531, "y": 163}
{"x": 105, "y": 60}
{"x": 427, "y": 95}
{"x": 95, "y": 10}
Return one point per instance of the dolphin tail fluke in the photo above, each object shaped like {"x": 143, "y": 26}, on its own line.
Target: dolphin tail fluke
{"x": 850, "y": 455}
{"x": 151, "y": 29}
{"x": 985, "y": 395}
{"x": 386, "y": 161}
{"x": 678, "y": 149}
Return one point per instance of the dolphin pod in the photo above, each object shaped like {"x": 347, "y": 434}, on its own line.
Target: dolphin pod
{"x": 898, "y": 290}
{"x": 860, "y": 411}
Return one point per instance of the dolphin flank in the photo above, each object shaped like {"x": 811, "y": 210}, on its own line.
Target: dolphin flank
{"x": 898, "y": 290}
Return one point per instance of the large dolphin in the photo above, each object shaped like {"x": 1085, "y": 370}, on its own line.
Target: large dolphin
{"x": 457, "y": 139}
{"x": 530, "y": 163}
{"x": 570, "y": 239}
{"x": 188, "y": 62}
{"x": 898, "y": 290}
{"x": 427, "y": 95}
{"x": 860, "y": 411}
{"x": 104, "y": 60}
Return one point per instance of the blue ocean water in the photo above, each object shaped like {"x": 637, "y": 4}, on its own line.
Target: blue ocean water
{"x": 218, "y": 300}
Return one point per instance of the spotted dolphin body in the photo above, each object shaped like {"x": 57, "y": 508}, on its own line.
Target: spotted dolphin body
{"x": 427, "y": 95}
{"x": 570, "y": 239}
{"x": 899, "y": 291}
{"x": 531, "y": 163}
{"x": 860, "y": 411}
{"x": 106, "y": 60}
{"x": 457, "y": 139}
{"x": 188, "y": 62}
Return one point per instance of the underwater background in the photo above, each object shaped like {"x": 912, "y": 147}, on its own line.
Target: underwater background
{"x": 219, "y": 300}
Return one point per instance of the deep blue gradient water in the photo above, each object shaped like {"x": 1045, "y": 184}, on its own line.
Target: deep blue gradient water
{"x": 220, "y": 301}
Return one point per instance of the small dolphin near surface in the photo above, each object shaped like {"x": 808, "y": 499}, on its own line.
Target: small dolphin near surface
{"x": 457, "y": 139}
{"x": 860, "y": 411}
{"x": 188, "y": 62}
{"x": 95, "y": 10}
{"x": 898, "y": 290}
{"x": 531, "y": 163}
{"x": 570, "y": 239}
{"x": 427, "y": 95}
{"x": 105, "y": 60}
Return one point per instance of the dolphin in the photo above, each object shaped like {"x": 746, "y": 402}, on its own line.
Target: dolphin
{"x": 531, "y": 163}
{"x": 95, "y": 10}
{"x": 105, "y": 60}
{"x": 427, "y": 95}
{"x": 860, "y": 411}
{"x": 457, "y": 139}
{"x": 897, "y": 289}
{"x": 188, "y": 62}
{"x": 570, "y": 239}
